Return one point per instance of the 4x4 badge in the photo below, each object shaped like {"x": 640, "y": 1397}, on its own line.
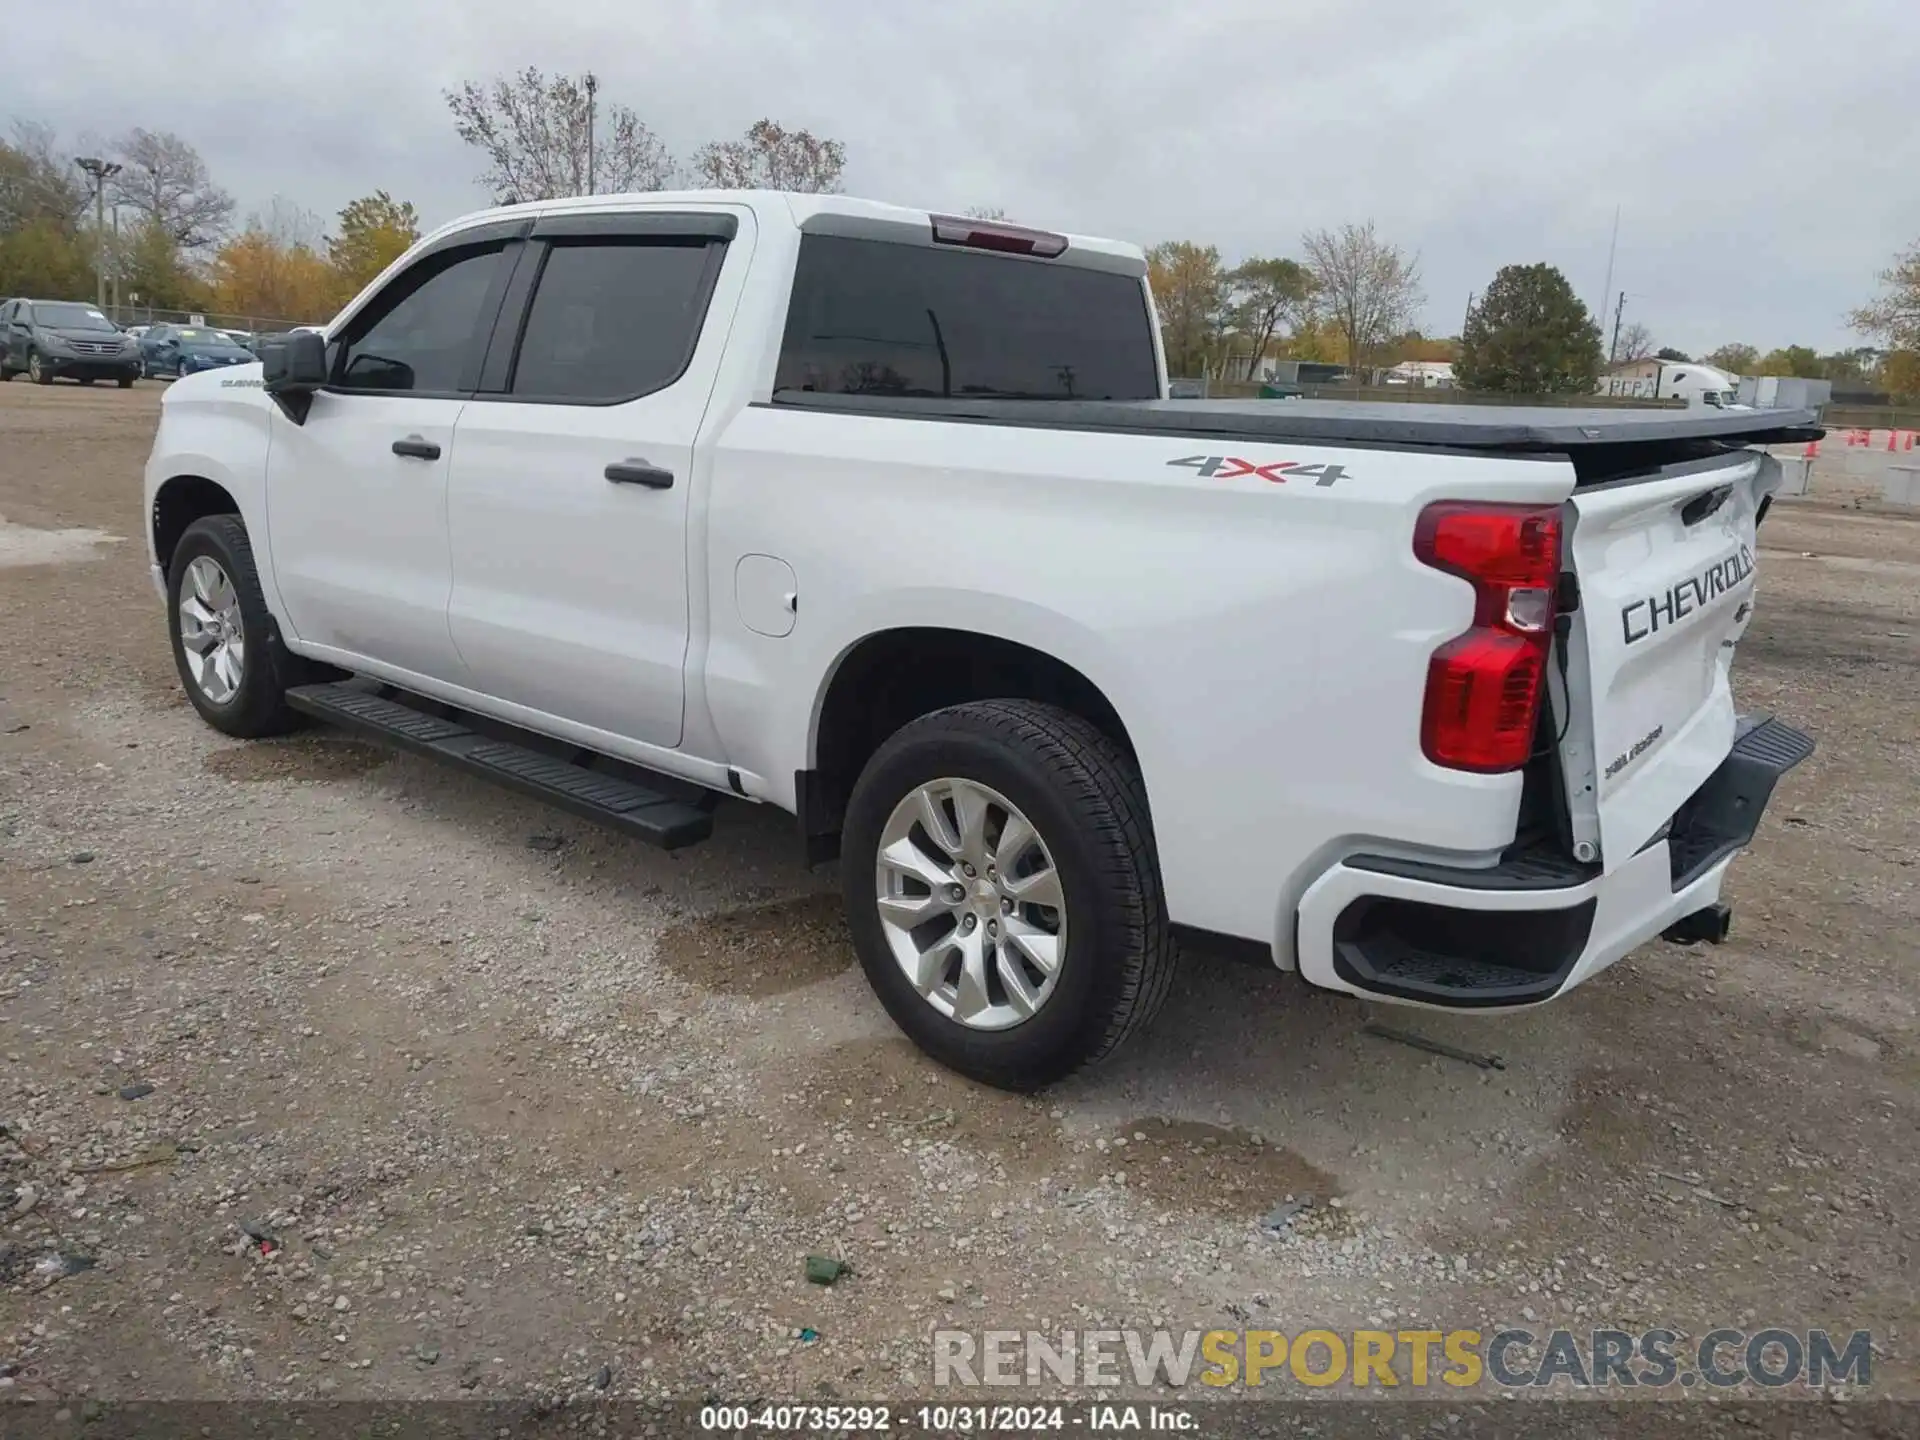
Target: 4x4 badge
{"x": 1228, "y": 467}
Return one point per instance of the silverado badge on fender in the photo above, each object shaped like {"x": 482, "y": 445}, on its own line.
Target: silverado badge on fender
{"x": 1228, "y": 467}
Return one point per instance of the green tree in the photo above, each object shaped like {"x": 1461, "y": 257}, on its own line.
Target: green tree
{"x": 1895, "y": 315}
{"x": 153, "y": 268}
{"x": 1679, "y": 357}
{"x": 1799, "y": 361}
{"x": 1267, "y": 295}
{"x": 1900, "y": 374}
{"x": 1191, "y": 296}
{"x": 1529, "y": 335}
{"x": 1737, "y": 358}
{"x": 374, "y": 231}
{"x": 46, "y": 258}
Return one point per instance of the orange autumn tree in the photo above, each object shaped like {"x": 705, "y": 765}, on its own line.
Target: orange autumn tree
{"x": 275, "y": 269}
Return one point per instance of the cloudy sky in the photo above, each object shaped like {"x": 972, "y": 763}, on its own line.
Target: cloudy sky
{"x": 1764, "y": 154}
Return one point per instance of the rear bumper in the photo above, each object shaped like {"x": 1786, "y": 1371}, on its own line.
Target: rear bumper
{"x": 1532, "y": 928}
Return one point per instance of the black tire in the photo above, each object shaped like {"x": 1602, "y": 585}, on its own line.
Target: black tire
{"x": 258, "y": 706}
{"x": 1087, "y": 801}
{"x": 86, "y": 379}
{"x": 37, "y": 371}
{"x": 125, "y": 382}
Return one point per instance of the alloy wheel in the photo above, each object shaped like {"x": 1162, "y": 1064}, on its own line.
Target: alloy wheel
{"x": 971, "y": 904}
{"x": 211, "y": 630}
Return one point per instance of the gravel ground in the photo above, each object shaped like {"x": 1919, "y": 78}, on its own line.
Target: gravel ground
{"x": 521, "y": 1108}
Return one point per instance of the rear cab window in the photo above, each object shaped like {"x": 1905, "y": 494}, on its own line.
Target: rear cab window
{"x": 876, "y": 317}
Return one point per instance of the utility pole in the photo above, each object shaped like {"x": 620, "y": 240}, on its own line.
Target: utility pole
{"x": 1612, "y": 247}
{"x": 1618, "y": 311}
{"x": 593, "y": 89}
{"x": 99, "y": 170}
{"x": 118, "y": 262}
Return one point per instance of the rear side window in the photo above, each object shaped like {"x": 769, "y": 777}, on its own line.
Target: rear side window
{"x": 873, "y": 318}
{"x": 421, "y": 332}
{"x": 613, "y": 319}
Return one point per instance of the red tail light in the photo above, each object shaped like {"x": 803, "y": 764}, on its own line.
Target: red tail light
{"x": 1483, "y": 687}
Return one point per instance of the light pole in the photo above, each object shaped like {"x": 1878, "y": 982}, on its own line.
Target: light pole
{"x": 593, "y": 89}
{"x": 99, "y": 170}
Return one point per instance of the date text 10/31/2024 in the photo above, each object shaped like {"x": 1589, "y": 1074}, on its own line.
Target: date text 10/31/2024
{"x": 1101, "y": 1418}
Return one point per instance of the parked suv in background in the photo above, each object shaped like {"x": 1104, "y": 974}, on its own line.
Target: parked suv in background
{"x": 46, "y": 338}
{"x": 178, "y": 350}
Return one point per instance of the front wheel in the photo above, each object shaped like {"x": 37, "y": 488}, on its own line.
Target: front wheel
{"x": 1003, "y": 891}
{"x": 225, "y": 646}
{"x": 38, "y": 370}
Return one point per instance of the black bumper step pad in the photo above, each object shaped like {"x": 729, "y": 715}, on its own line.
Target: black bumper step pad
{"x": 612, "y": 800}
{"x": 1722, "y": 814}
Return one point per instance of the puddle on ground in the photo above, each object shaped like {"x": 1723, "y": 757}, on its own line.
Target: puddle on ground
{"x": 1180, "y": 1166}
{"x": 1191, "y": 1165}
{"x": 23, "y": 545}
{"x": 895, "y": 1088}
{"x": 763, "y": 951}
{"x": 301, "y": 757}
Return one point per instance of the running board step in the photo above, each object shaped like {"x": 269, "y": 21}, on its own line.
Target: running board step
{"x": 644, "y": 813}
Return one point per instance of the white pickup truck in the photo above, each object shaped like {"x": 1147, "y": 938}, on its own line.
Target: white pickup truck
{"x": 883, "y": 518}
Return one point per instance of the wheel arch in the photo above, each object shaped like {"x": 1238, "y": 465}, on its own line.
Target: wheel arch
{"x": 179, "y": 501}
{"x": 892, "y": 676}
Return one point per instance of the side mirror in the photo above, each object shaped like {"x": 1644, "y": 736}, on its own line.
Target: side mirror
{"x": 294, "y": 363}
{"x": 292, "y": 367}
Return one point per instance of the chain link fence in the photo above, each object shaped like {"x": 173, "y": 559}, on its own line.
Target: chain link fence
{"x": 129, "y": 315}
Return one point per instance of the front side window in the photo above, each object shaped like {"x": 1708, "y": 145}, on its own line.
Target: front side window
{"x": 420, "y": 333}
{"x": 613, "y": 319}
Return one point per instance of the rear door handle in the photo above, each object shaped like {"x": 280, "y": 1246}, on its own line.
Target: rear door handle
{"x": 639, "y": 472}
{"x": 417, "y": 449}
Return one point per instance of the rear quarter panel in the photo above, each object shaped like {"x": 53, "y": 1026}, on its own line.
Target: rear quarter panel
{"x": 1264, "y": 639}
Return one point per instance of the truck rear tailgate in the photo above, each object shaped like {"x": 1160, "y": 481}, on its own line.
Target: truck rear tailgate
{"x": 1665, "y": 567}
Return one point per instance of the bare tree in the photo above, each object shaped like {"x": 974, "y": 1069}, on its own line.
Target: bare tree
{"x": 1634, "y": 343}
{"x": 163, "y": 179}
{"x": 1368, "y": 288}
{"x": 35, "y": 182}
{"x": 289, "y": 225}
{"x": 546, "y": 137}
{"x": 1266, "y": 295}
{"x": 772, "y": 158}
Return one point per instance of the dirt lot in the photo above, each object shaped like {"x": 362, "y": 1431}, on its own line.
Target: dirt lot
{"x": 530, "y": 1109}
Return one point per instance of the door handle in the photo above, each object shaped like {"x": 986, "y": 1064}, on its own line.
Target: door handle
{"x": 417, "y": 449}
{"x": 639, "y": 472}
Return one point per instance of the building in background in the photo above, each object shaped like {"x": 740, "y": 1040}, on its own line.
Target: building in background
{"x": 1428, "y": 374}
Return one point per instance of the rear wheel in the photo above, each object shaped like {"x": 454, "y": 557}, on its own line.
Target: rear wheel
{"x": 1003, "y": 891}
{"x": 225, "y": 646}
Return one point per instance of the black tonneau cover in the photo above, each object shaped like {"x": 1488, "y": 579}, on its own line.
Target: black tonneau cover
{"x": 1352, "y": 422}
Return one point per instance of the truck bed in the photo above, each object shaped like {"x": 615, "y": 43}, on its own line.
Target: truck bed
{"x": 1511, "y": 428}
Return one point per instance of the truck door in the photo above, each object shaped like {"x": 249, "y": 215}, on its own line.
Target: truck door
{"x": 573, "y": 468}
{"x": 357, "y": 494}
